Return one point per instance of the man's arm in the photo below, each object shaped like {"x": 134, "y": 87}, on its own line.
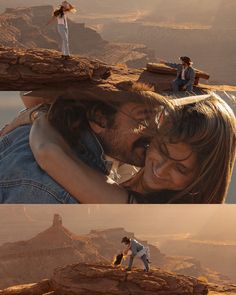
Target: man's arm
{"x": 56, "y": 157}
{"x": 171, "y": 64}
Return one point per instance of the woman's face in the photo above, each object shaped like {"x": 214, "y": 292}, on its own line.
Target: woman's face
{"x": 173, "y": 172}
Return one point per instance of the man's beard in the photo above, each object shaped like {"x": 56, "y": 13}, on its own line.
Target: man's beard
{"x": 117, "y": 149}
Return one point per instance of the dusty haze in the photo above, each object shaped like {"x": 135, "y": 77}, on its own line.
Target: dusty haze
{"x": 212, "y": 222}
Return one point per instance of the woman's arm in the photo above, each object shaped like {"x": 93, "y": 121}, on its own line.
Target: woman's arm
{"x": 31, "y": 102}
{"x": 52, "y": 19}
{"x": 55, "y": 156}
{"x": 24, "y": 118}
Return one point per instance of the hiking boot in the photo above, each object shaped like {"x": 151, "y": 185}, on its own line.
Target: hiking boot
{"x": 65, "y": 57}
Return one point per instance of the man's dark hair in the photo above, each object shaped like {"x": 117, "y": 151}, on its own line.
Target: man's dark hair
{"x": 69, "y": 117}
{"x": 125, "y": 240}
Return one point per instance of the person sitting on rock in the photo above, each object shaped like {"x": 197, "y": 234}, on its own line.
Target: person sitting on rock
{"x": 135, "y": 248}
{"x": 62, "y": 26}
{"x": 185, "y": 75}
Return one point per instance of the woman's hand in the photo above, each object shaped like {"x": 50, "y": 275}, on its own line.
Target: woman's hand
{"x": 22, "y": 119}
{"x": 56, "y": 157}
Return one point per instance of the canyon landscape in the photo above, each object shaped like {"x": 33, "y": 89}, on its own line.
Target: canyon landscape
{"x": 133, "y": 33}
{"x": 52, "y": 258}
{"x": 25, "y": 28}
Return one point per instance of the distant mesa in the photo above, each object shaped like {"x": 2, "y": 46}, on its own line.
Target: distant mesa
{"x": 57, "y": 221}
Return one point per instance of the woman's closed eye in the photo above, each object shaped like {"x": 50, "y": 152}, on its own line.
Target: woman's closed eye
{"x": 181, "y": 168}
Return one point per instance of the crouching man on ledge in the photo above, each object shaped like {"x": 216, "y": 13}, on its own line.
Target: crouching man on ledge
{"x": 134, "y": 248}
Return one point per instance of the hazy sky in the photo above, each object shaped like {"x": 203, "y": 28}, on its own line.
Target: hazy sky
{"x": 10, "y": 104}
{"x": 163, "y": 9}
{"x": 20, "y": 222}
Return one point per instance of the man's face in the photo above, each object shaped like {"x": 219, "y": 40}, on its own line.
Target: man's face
{"x": 126, "y": 140}
{"x": 184, "y": 64}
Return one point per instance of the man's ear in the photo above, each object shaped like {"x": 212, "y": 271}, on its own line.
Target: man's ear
{"x": 99, "y": 122}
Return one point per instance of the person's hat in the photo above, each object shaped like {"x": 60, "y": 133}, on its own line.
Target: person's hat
{"x": 102, "y": 92}
{"x": 68, "y": 6}
{"x": 189, "y": 100}
{"x": 186, "y": 59}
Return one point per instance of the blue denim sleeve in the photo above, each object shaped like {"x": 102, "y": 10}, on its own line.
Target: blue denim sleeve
{"x": 24, "y": 191}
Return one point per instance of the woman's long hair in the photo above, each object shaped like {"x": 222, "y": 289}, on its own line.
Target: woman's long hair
{"x": 59, "y": 12}
{"x": 209, "y": 127}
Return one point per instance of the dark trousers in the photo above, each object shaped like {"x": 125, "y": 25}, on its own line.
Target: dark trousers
{"x": 143, "y": 258}
{"x": 178, "y": 83}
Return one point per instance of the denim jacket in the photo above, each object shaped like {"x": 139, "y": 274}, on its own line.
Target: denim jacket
{"x": 189, "y": 74}
{"x": 22, "y": 181}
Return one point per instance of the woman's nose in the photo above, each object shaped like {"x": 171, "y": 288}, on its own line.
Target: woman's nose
{"x": 161, "y": 168}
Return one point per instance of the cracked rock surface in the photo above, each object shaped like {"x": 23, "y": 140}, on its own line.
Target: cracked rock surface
{"x": 34, "y": 68}
{"x": 98, "y": 279}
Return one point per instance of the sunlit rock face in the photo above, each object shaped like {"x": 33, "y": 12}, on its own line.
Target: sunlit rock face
{"x": 94, "y": 279}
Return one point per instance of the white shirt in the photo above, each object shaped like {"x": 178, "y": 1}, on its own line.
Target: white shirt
{"x": 183, "y": 73}
{"x": 62, "y": 20}
{"x": 121, "y": 172}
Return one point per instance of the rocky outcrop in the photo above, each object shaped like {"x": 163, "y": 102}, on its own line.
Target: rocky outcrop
{"x": 29, "y": 69}
{"x": 40, "y": 288}
{"x": 28, "y": 28}
{"x": 104, "y": 279}
{"x": 95, "y": 279}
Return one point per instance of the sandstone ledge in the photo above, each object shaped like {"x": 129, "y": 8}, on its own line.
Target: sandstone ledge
{"x": 98, "y": 279}
{"x": 40, "y": 288}
{"x": 27, "y": 69}
{"x": 30, "y": 69}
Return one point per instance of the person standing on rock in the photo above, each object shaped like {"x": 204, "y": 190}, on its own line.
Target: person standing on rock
{"x": 135, "y": 248}
{"x": 62, "y": 26}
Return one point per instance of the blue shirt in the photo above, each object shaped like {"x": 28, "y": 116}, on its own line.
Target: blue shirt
{"x": 22, "y": 181}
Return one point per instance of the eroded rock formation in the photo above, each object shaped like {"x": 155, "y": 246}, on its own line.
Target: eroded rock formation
{"x": 95, "y": 279}
{"x": 29, "y": 69}
{"x": 104, "y": 279}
